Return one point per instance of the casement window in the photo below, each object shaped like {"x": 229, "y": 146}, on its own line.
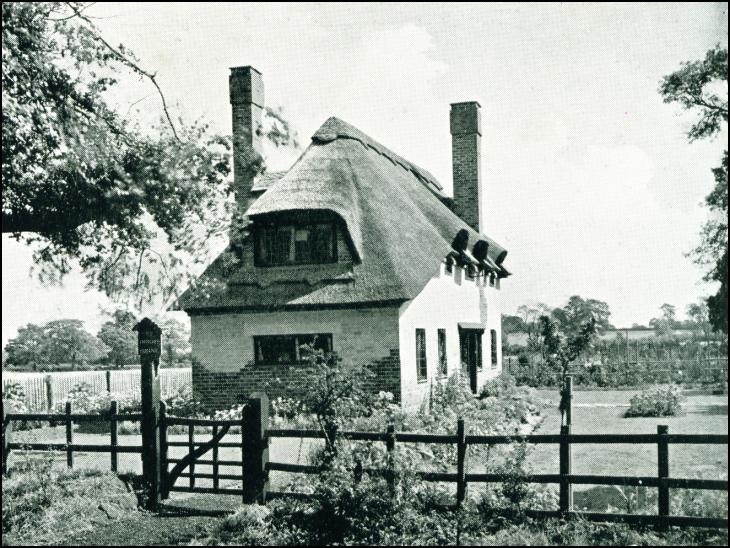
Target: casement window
{"x": 493, "y": 338}
{"x": 287, "y": 349}
{"x": 421, "y": 364}
{"x": 443, "y": 361}
{"x": 310, "y": 243}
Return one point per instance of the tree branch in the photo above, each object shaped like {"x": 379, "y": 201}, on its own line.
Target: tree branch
{"x": 127, "y": 61}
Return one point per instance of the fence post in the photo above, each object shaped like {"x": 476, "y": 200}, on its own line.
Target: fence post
{"x": 7, "y": 431}
{"x": 566, "y": 488}
{"x": 358, "y": 471}
{"x": 191, "y": 449}
{"x": 663, "y": 453}
{"x": 148, "y": 340}
{"x": 216, "y": 469}
{"x": 164, "y": 488}
{"x": 566, "y": 400}
{"x": 255, "y": 448}
{"x": 49, "y": 393}
{"x": 114, "y": 433}
{"x": 69, "y": 437}
{"x": 390, "y": 447}
{"x": 108, "y": 377}
{"x": 460, "y": 461}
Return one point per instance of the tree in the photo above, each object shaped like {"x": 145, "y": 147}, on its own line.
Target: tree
{"x": 664, "y": 325}
{"x": 135, "y": 207}
{"x": 66, "y": 341}
{"x": 26, "y": 349}
{"x": 175, "y": 340}
{"x": 562, "y": 349}
{"x": 698, "y": 86}
{"x": 578, "y": 311}
{"x": 117, "y": 334}
{"x": 699, "y": 315}
{"x": 531, "y": 319}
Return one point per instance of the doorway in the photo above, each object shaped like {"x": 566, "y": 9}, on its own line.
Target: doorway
{"x": 471, "y": 354}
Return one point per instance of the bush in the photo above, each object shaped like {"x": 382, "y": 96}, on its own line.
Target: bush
{"x": 184, "y": 404}
{"x": 661, "y": 401}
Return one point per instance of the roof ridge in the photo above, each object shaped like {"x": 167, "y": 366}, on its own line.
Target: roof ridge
{"x": 334, "y": 128}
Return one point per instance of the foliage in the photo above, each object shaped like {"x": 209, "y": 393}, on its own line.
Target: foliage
{"x": 560, "y": 350}
{"x": 84, "y": 399}
{"x": 578, "y": 312}
{"x": 56, "y": 342}
{"x": 698, "y": 86}
{"x": 117, "y": 334}
{"x": 135, "y": 204}
{"x": 14, "y": 395}
{"x": 184, "y": 404}
{"x": 43, "y": 505}
{"x": 333, "y": 392}
{"x": 175, "y": 340}
{"x": 660, "y": 401}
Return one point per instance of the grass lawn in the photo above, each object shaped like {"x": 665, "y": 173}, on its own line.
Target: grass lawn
{"x": 147, "y": 530}
{"x": 595, "y": 412}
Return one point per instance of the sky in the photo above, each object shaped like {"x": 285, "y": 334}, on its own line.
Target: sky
{"x": 589, "y": 179}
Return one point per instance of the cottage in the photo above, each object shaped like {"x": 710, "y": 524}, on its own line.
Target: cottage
{"x": 355, "y": 250}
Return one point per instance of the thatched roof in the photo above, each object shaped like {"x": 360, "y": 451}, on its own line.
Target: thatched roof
{"x": 399, "y": 227}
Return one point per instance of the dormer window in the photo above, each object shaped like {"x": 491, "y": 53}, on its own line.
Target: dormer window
{"x": 290, "y": 244}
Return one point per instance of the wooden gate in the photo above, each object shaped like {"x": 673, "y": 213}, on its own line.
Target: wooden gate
{"x": 248, "y": 453}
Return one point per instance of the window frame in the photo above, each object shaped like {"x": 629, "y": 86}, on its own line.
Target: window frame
{"x": 442, "y": 352}
{"x": 263, "y": 230}
{"x": 493, "y": 348}
{"x": 297, "y": 345}
{"x": 421, "y": 355}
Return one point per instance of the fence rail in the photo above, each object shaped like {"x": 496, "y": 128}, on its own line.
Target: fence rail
{"x": 69, "y": 447}
{"x": 256, "y": 467}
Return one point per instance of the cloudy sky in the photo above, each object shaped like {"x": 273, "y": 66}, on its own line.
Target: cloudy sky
{"x": 590, "y": 181}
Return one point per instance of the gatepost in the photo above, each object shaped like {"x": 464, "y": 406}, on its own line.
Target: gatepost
{"x": 150, "y": 349}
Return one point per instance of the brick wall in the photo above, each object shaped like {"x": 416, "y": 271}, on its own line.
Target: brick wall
{"x": 466, "y": 162}
{"x": 223, "y": 368}
{"x": 246, "y": 90}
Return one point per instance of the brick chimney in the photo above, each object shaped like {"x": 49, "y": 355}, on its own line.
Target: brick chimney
{"x": 246, "y": 87}
{"x": 466, "y": 137}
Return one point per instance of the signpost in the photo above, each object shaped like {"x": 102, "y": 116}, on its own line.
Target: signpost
{"x": 150, "y": 350}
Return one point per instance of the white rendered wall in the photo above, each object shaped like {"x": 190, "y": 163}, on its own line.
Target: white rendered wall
{"x": 447, "y": 300}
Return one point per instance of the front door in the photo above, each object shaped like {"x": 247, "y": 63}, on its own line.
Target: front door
{"x": 471, "y": 354}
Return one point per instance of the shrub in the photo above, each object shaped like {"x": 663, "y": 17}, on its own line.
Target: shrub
{"x": 660, "y": 401}
{"x": 14, "y": 394}
{"x": 184, "y": 404}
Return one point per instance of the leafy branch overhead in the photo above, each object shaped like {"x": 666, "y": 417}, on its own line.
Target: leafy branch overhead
{"x": 701, "y": 86}
{"x": 81, "y": 182}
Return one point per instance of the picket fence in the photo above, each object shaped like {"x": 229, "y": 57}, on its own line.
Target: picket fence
{"x": 44, "y": 390}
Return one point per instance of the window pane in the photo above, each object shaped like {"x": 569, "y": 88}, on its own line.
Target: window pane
{"x": 443, "y": 363}
{"x": 282, "y": 246}
{"x": 421, "y": 365}
{"x": 493, "y": 337}
{"x": 302, "y": 252}
{"x": 323, "y": 243}
{"x": 275, "y": 349}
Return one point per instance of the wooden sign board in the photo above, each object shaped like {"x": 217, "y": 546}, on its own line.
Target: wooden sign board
{"x": 149, "y": 337}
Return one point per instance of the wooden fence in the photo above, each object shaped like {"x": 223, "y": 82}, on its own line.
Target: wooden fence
{"x": 256, "y": 467}
{"x": 44, "y": 390}
{"x": 68, "y": 419}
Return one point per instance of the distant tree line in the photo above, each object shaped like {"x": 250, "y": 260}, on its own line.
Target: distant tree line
{"x": 66, "y": 344}
{"x": 578, "y": 311}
